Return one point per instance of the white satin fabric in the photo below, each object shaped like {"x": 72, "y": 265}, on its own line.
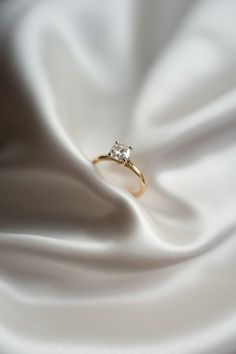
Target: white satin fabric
{"x": 84, "y": 266}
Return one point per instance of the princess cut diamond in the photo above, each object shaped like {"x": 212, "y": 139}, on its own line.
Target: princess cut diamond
{"x": 120, "y": 152}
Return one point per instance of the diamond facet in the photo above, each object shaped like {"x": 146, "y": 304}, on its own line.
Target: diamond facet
{"x": 120, "y": 152}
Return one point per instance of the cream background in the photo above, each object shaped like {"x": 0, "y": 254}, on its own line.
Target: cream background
{"x": 85, "y": 267}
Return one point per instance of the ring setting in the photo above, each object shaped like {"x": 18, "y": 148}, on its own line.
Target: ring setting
{"x": 120, "y": 154}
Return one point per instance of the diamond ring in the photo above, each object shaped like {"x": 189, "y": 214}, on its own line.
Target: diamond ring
{"x": 120, "y": 154}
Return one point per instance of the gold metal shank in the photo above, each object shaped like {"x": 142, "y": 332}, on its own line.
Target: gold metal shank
{"x": 128, "y": 164}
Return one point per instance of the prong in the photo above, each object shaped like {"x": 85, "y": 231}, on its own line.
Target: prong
{"x": 117, "y": 142}
{"x": 130, "y": 147}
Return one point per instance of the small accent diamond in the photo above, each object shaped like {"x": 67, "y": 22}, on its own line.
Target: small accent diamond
{"x": 120, "y": 152}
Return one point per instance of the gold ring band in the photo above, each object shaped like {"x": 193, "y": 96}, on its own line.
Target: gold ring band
{"x": 120, "y": 153}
